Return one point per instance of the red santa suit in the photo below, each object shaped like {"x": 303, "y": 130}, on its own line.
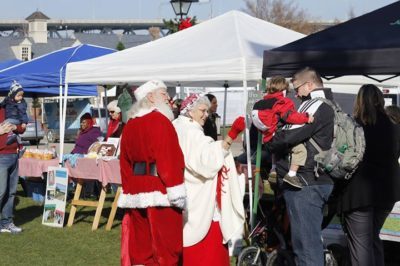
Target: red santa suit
{"x": 152, "y": 168}
{"x": 282, "y": 110}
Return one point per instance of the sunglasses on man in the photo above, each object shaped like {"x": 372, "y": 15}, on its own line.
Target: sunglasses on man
{"x": 298, "y": 87}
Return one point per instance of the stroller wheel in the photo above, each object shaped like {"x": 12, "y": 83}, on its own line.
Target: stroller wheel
{"x": 251, "y": 256}
{"x": 280, "y": 257}
{"x": 340, "y": 254}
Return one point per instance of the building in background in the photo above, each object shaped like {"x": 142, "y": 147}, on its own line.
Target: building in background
{"x": 38, "y": 34}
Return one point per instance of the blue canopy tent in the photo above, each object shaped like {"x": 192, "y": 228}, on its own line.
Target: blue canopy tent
{"x": 44, "y": 75}
{"x": 9, "y": 63}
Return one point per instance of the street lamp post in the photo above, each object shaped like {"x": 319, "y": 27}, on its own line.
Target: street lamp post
{"x": 181, "y": 7}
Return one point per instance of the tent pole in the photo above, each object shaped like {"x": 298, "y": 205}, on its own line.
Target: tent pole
{"x": 36, "y": 128}
{"x": 226, "y": 86}
{"x": 63, "y": 122}
{"x": 247, "y": 138}
{"x": 61, "y": 135}
{"x": 106, "y": 103}
{"x": 64, "y": 116}
{"x": 258, "y": 170}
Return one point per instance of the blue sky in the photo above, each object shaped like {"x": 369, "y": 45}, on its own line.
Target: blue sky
{"x": 124, "y": 9}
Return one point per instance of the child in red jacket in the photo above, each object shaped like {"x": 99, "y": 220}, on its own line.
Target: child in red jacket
{"x": 274, "y": 111}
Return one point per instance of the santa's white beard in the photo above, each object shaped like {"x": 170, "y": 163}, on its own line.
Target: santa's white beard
{"x": 165, "y": 109}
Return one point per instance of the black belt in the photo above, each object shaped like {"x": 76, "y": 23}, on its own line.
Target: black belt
{"x": 144, "y": 168}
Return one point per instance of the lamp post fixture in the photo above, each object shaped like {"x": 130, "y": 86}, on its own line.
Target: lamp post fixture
{"x": 181, "y": 7}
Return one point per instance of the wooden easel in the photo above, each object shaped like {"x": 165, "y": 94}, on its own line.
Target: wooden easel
{"x": 77, "y": 202}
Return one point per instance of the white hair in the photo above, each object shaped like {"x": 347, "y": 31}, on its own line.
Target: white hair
{"x": 202, "y": 100}
{"x": 144, "y": 104}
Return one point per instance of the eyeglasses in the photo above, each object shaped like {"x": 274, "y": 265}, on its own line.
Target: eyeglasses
{"x": 298, "y": 87}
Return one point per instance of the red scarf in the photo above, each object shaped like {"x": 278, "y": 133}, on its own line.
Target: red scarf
{"x": 113, "y": 126}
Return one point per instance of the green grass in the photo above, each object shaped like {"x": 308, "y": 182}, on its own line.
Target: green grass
{"x": 77, "y": 245}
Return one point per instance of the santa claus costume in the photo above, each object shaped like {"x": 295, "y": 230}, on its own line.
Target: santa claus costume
{"x": 214, "y": 211}
{"x": 152, "y": 182}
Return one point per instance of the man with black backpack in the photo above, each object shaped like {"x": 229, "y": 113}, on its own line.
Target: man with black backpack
{"x": 305, "y": 206}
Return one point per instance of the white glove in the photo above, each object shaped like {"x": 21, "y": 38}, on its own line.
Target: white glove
{"x": 177, "y": 196}
{"x": 179, "y": 203}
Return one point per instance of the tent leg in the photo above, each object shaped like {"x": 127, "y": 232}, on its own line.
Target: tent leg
{"x": 226, "y": 86}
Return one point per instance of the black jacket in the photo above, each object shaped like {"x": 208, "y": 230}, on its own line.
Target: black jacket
{"x": 376, "y": 182}
{"x": 210, "y": 126}
{"x": 321, "y": 130}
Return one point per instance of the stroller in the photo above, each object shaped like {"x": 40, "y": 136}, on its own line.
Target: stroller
{"x": 269, "y": 241}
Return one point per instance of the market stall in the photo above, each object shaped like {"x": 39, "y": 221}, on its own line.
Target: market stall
{"x": 104, "y": 171}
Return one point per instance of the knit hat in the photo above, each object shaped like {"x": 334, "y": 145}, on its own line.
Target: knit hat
{"x": 189, "y": 102}
{"x": 149, "y": 86}
{"x": 14, "y": 89}
{"x": 113, "y": 106}
{"x": 86, "y": 116}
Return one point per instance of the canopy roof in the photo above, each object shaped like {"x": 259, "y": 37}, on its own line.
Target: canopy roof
{"x": 366, "y": 45}
{"x": 8, "y": 63}
{"x": 228, "y": 48}
{"x": 43, "y": 75}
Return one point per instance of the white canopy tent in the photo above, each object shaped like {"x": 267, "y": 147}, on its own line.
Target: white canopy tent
{"x": 226, "y": 50}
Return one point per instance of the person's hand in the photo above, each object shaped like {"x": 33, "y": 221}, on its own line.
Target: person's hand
{"x": 310, "y": 119}
{"x": 237, "y": 127}
{"x": 23, "y": 125}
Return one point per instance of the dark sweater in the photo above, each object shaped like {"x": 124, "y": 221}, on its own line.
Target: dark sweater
{"x": 321, "y": 130}
{"x": 17, "y": 111}
{"x": 377, "y": 180}
{"x": 86, "y": 139}
{"x": 12, "y": 148}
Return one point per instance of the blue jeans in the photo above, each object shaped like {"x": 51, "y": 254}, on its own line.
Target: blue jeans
{"x": 305, "y": 210}
{"x": 8, "y": 186}
{"x": 12, "y": 121}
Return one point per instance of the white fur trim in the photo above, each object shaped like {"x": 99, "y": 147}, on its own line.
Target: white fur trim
{"x": 176, "y": 192}
{"x": 257, "y": 121}
{"x": 143, "y": 112}
{"x": 143, "y": 200}
{"x": 149, "y": 86}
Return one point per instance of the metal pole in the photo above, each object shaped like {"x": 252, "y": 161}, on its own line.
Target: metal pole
{"x": 106, "y": 103}
{"x": 258, "y": 169}
{"x": 248, "y": 153}
{"x": 257, "y": 180}
{"x": 36, "y": 128}
{"x": 226, "y": 86}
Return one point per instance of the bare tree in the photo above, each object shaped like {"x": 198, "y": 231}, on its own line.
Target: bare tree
{"x": 351, "y": 14}
{"x": 281, "y": 12}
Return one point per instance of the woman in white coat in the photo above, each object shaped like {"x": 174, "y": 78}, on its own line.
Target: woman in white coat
{"x": 214, "y": 208}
